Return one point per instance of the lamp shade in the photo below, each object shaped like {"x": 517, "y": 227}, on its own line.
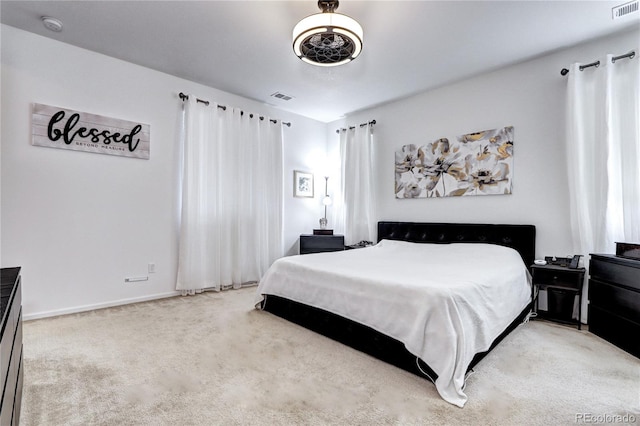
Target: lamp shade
{"x": 327, "y": 39}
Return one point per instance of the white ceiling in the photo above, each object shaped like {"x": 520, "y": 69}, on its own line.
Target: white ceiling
{"x": 244, "y": 47}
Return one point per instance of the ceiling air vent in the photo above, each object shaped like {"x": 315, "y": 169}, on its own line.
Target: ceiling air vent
{"x": 624, "y": 9}
{"x": 282, "y": 96}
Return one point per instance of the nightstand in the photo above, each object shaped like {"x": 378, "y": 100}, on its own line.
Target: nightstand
{"x": 562, "y": 285}
{"x": 320, "y": 243}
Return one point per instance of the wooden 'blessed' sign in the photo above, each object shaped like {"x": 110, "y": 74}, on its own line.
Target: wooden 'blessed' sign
{"x": 79, "y": 131}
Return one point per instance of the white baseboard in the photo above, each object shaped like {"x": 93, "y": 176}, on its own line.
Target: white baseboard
{"x": 110, "y": 304}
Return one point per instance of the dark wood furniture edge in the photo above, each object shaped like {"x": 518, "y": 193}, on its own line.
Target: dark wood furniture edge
{"x": 12, "y": 356}
{"x": 614, "y": 258}
{"x": 610, "y": 319}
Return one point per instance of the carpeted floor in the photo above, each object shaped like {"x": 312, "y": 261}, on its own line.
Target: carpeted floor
{"x": 212, "y": 359}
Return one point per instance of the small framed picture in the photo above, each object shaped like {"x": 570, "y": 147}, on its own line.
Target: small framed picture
{"x": 302, "y": 184}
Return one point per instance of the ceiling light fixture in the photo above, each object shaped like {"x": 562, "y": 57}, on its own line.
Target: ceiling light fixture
{"x": 52, "y": 24}
{"x": 327, "y": 39}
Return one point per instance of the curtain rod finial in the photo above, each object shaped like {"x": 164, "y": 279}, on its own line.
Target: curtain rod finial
{"x": 564, "y": 71}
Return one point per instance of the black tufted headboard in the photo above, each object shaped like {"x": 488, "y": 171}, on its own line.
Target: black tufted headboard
{"x": 519, "y": 237}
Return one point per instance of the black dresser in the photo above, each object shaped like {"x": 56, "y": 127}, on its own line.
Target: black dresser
{"x": 11, "y": 346}
{"x": 614, "y": 300}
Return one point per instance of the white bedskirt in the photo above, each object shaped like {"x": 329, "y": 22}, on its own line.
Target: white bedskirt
{"x": 445, "y": 302}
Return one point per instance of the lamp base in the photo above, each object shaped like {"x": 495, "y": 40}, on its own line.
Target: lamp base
{"x": 323, "y": 223}
{"x": 323, "y": 232}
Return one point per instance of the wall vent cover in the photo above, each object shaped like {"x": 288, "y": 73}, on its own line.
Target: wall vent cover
{"x": 282, "y": 96}
{"x": 624, "y": 9}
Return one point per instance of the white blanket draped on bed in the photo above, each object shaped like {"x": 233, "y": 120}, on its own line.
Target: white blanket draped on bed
{"x": 445, "y": 302}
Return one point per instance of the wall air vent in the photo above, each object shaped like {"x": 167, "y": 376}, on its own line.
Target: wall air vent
{"x": 282, "y": 96}
{"x": 625, "y": 9}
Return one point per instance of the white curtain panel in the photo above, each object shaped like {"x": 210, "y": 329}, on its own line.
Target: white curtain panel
{"x": 232, "y": 189}
{"x": 603, "y": 155}
{"x": 356, "y": 153}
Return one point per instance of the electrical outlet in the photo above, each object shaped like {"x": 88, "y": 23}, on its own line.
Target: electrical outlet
{"x": 152, "y": 268}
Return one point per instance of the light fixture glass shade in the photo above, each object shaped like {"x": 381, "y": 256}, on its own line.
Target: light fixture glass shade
{"x": 327, "y": 39}
{"x": 327, "y": 200}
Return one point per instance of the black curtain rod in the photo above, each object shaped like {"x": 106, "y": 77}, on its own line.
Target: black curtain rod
{"x": 596, "y": 64}
{"x": 371, "y": 123}
{"x": 224, "y": 108}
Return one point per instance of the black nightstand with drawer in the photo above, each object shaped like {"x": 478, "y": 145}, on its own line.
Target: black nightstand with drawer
{"x": 320, "y": 243}
{"x": 562, "y": 284}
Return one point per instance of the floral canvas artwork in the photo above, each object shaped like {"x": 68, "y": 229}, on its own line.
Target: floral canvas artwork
{"x": 479, "y": 163}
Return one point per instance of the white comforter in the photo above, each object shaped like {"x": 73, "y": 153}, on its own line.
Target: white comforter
{"x": 445, "y": 302}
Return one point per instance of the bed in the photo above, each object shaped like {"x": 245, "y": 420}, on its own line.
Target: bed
{"x": 434, "y": 309}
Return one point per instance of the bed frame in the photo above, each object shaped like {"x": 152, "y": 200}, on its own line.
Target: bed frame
{"x": 365, "y": 339}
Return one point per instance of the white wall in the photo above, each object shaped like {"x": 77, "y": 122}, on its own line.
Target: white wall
{"x": 529, "y": 96}
{"x": 79, "y": 223}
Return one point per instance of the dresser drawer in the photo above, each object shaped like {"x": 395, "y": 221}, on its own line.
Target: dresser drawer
{"x": 17, "y": 301}
{"x": 618, "y": 271}
{"x": 617, "y": 330}
{"x": 621, "y": 300}
{"x": 6, "y": 409}
{"x": 8, "y": 335}
{"x": 11, "y": 346}
{"x": 5, "y": 355}
{"x": 17, "y": 348}
{"x": 18, "y": 397}
{"x": 6, "y": 412}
